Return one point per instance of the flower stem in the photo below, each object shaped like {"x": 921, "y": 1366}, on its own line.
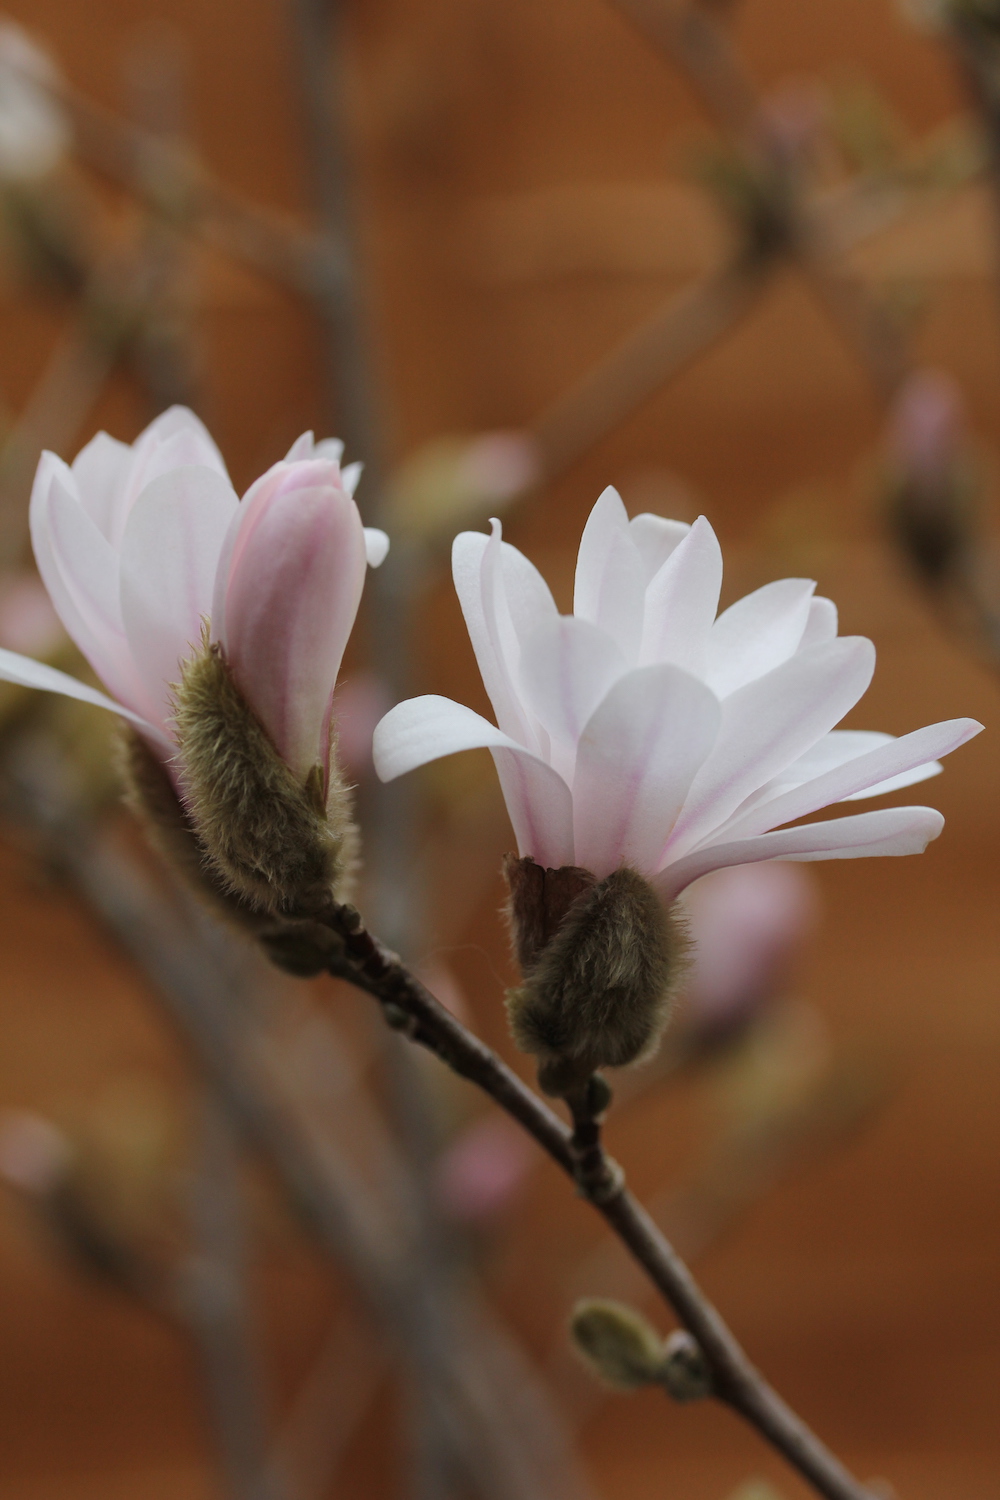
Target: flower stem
{"x": 412, "y": 1009}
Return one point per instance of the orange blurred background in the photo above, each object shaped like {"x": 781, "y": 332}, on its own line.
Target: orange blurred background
{"x": 524, "y": 201}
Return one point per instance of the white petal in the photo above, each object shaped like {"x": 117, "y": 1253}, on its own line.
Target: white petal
{"x": 538, "y": 800}
{"x": 69, "y": 611}
{"x": 302, "y": 448}
{"x": 100, "y": 470}
{"x": 821, "y": 625}
{"x": 376, "y": 546}
{"x": 476, "y": 563}
{"x": 768, "y": 724}
{"x": 539, "y": 805}
{"x": 104, "y": 647}
{"x": 567, "y": 666}
{"x": 681, "y": 602}
{"x": 86, "y": 560}
{"x": 891, "y": 830}
{"x": 636, "y": 760}
{"x": 170, "y": 552}
{"x": 423, "y": 729}
{"x": 882, "y": 768}
{"x": 656, "y": 538}
{"x": 350, "y": 477}
{"x": 329, "y": 448}
{"x": 757, "y": 633}
{"x": 609, "y": 574}
{"x": 35, "y": 674}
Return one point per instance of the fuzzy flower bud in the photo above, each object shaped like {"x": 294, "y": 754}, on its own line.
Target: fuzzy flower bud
{"x": 619, "y": 1345}
{"x": 284, "y": 844}
{"x": 601, "y": 961}
{"x": 625, "y": 1351}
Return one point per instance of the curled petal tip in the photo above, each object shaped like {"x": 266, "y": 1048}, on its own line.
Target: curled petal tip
{"x": 376, "y": 546}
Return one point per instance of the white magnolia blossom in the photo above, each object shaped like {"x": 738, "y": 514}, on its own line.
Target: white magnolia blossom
{"x": 140, "y": 545}
{"x": 644, "y": 730}
{"x": 34, "y": 130}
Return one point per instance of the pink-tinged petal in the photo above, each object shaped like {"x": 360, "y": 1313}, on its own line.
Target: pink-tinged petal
{"x": 681, "y": 601}
{"x": 25, "y": 672}
{"x": 637, "y": 757}
{"x": 538, "y": 800}
{"x": 85, "y": 558}
{"x": 757, "y": 633}
{"x": 610, "y": 577}
{"x": 890, "y": 831}
{"x": 376, "y": 546}
{"x": 77, "y": 627}
{"x": 770, "y": 723}
{"x": 301, "y": 448}
{"x": 169, "y": 552}
{"x": 656, "y": 538}
{"x": 821, "y": 625}
{"x": 101, "y": 470}
{"x": 104, "y": 647}
{"x": 176, "y": 439}
{"x": 296, "y": 575}
{"x": 566, "y": 668}
{"x": 539, "y": 805}
{"x": 882, "y": 769}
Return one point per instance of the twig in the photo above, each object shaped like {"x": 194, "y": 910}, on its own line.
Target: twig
{"x": 212, "y": 1296}
{"x": 679, "y": 333}
{"x": 411, "y": 1008}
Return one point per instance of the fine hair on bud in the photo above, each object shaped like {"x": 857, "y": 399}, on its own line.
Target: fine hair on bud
{"x": 285, "y": 847}
{"x": 598, "y": 991}
{"x": 151, "y": 795}
{"x": 617, "y": 1343}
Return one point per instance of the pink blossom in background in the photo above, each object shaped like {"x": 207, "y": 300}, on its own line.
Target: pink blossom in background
{"x": 361, "y": 700}
{"x": 28, "y": 622}
{"x": 139, "y": 546}
{"x": 34, "y": 1155}
{"x": 645, "y": 730}
{"x": 927, "y": 430}
{"x": 481, "y": 1171}
{"x": 748, "y": 923}
{"x": 497, "y": 465}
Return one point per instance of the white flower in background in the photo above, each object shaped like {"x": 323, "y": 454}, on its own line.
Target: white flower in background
{"x": 140, "y": 545}
{"x": 34, "y": 130}
{"x": 644, "y": 731}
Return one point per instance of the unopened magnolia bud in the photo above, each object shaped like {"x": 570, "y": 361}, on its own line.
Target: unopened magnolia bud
{"x": 684, "y": 1369}
{"x": 602, "y": 961}
{"x": 617, "y": 1343}
{"x": 284, "y": 846}
{"x": 152, "y": 796}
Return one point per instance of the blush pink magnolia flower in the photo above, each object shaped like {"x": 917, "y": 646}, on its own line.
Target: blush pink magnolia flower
{"x": 139, "y": 545}
{"x": 643, "y": 730}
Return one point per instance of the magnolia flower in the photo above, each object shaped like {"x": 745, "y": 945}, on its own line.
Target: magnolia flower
{"x": 139, "y": 546}
{"x": 643, "y": 731}
{"x": 34, "y": 130}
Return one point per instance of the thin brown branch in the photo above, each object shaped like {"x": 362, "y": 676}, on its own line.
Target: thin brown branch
{"x": 684, "y": 329}
{"x": 699, "y": 45}
{"x": 411, "y": 1008}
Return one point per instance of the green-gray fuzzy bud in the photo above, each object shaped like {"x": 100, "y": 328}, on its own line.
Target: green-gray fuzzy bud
{"x": 617, "y": 1343}
{"x": 284, "y": 847}
{"x": 601, "y": 966}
